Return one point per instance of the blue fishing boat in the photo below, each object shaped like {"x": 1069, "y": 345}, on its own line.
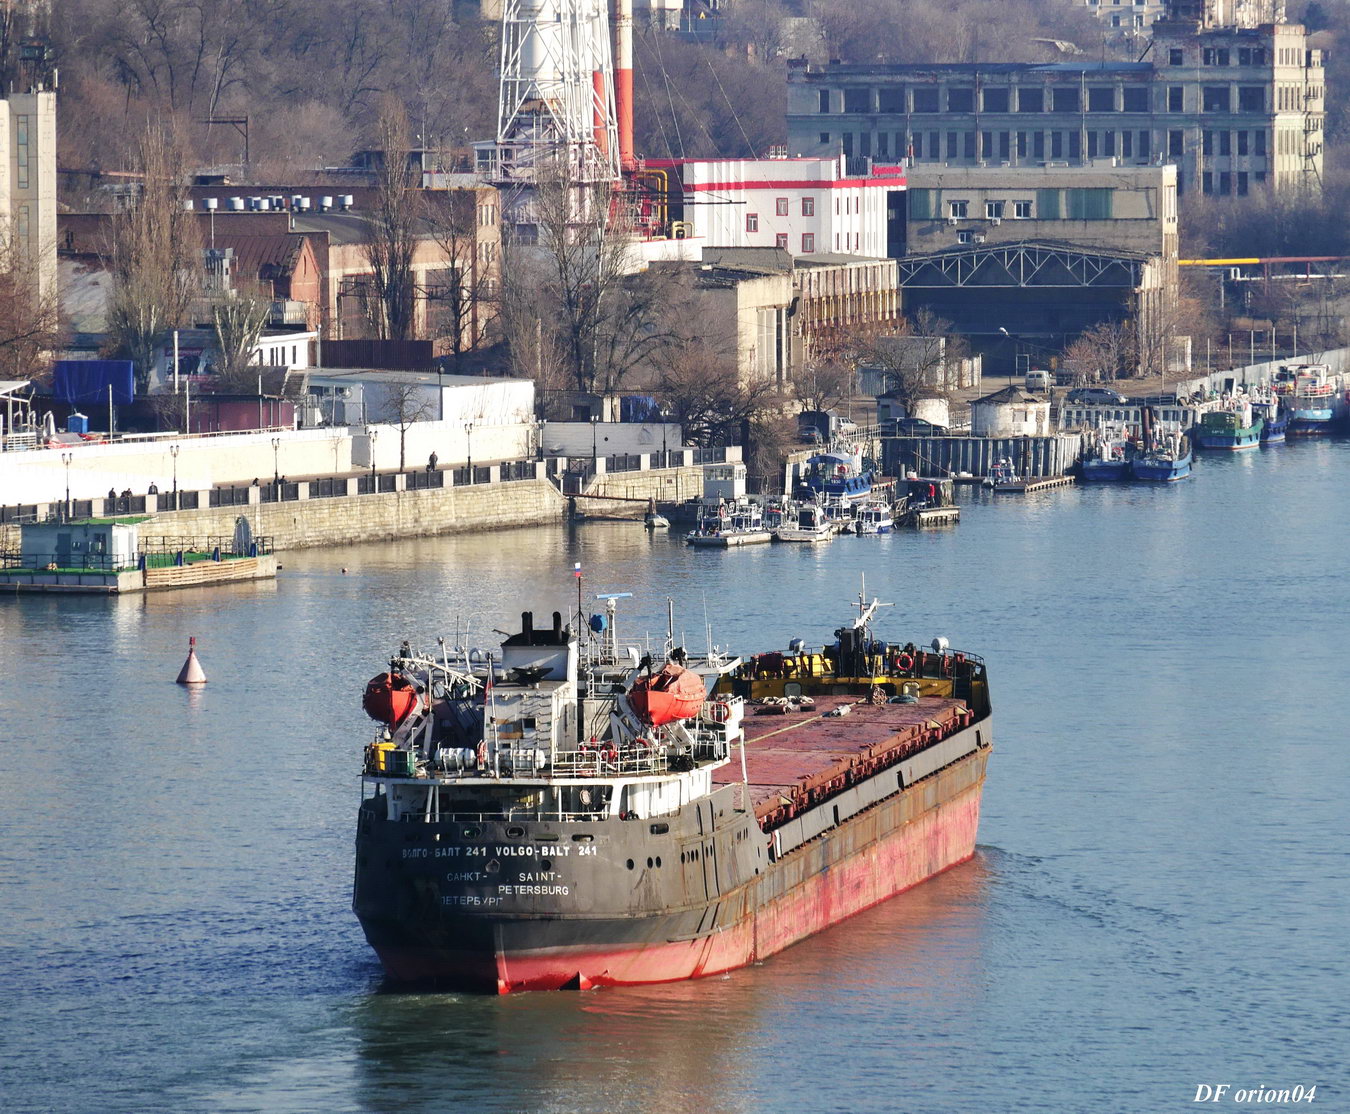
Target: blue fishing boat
{"x": 1274, "y": 421}
{"x": 1308, "y": 393}
{"x": 836, "y": 475}
{"x": 1167, "y": 460}
{"x": 1106, "y": 456}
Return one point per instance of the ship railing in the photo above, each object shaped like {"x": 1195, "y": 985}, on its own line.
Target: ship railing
{"x": 607, "y": 761}
{"x": 502, "y": 815}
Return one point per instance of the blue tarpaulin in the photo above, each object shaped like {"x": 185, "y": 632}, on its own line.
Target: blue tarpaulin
{"x": 88, "y": 381}
{"x": 639, "y": 408}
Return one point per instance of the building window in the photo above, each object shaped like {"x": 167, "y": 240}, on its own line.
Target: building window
{"x": 926, "y": 100}
{"x": 1021, "y": 210}
{"x": 752, "y": 222}
{"x": 1251, "y": 98}
{"x": 858, "y": 100}
{"x": 1101, "y": 99}
{"x": 1175, "y": 98}
{"x": 21, "y": 151}
{"x": 1242, "y": 183}
{"x": 995, "y": 100}
{"x": 1134, "y": 100}
{"x": 960, "y": 100}
{"x": 808, "y": 241}
{"x": 964, "y": 237}
{"x": 1175, "y": 58}
{"x": 891, "y": 100}
{"x": 1214, "y": 98}
{"x": 1038, "y": 145}
{"x": 780, "y": 206}
{"x": 968, "y": 145}
{"x": 993, "y": 210}
{"x": 958, "y": 209}
{"x": 1064, "y": 100}
{"x": 1225, "y": 143}
{"x": 780, "y": 240}
{"x": 824, "y": 100}
{"x": 1207, "y": 183}
{"x": 1174, "y": 145}
{"x": 1207, "y": 143}
{"x": 808, "y": 206}
{"x": 1242, "y": 143}
{"x": 1143, "y": 145}
{"x": 1260, "y": 142}
{"x": 1031, "y": 100}
{"x": 824, "y": 137}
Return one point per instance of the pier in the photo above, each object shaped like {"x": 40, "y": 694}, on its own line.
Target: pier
{"x": 1027, "y": 487}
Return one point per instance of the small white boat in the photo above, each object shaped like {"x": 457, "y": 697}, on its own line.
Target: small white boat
{"x": 809, "y": 525}
{"x": 873, "y": 517}
{"x": 654, "y": 521}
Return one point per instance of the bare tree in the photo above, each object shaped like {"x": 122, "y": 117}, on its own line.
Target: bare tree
{"x": 1105, "y": 351}
{"x": 826, "y": 381}
{"x": 29, "y": 324}
{"x": 585, "y": 257}
{"x": 916, "y": 359}
{"x": 394, "y": 227}
{"x": 700, "y": 389}
{"x": 239, "y": 318}
{"x": 404, "y": 404}
{"x": 154, "y": 257}
{"x": 467, "y": 296}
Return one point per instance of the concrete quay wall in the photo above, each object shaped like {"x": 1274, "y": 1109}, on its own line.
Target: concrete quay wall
{"x": 373, "y": 517}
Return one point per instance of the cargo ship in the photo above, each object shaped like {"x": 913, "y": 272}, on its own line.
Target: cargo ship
{"x": 570, "y": 812}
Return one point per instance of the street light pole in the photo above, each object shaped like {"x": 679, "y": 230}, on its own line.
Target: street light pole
{"x": 276, "y": 461}
{"x": 173, "y": 452}
{"x": 374, "y": 433}
{"x": 468, "y": 447}
{"x": 65, "y": 459}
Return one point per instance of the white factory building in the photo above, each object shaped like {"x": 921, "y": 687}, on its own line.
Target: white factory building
{"x": 804, "y": 205}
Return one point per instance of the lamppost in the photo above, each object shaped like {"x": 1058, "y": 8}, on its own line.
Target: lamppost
{"x": 276, "y": 461}
{"x": 66, "y": 459}
{"x": 173, "y": 452}
{"x": 373, "y": 433}
{"x": 468, "y": 447}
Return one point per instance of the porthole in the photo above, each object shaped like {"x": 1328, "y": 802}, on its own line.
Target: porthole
{"x": 583, "y": 838}
{"x": 545, "y": 864}
{"x": 630, "y": 864}
{"x": 515, "y": 832}
{"x": 658, "y": 860}
{"x": 471, "y": 833}
{"x": 649, "y": 862}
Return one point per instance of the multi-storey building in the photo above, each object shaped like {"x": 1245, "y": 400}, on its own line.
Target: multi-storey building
{"x": 1139, "y": 14}
{"x": 28, "y": 184}
{"x": 802, "y": 205}
{"x": 1237, "y": 110}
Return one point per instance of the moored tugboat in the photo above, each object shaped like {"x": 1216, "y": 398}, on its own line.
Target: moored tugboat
{"x": 575, "y": 814}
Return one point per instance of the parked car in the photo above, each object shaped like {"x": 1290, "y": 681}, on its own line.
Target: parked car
{"x": 1039, "y": 380}
{"x": 1096, "y": 395}
{"x": 913, "y": 427}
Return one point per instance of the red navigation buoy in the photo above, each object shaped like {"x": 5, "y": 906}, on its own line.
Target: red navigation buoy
{"x": 191, "y": 673}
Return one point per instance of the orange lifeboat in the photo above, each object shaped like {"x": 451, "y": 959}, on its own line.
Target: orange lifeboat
{"x": 389, "y": 698}
{"x": 671, "y": 693}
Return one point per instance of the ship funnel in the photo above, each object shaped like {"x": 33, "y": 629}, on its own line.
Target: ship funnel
{"x": 557, "y": 625}
{"x": 527, "y": 623}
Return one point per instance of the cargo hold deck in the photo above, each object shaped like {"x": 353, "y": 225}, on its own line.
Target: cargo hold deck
{"x": 795, "y": 760}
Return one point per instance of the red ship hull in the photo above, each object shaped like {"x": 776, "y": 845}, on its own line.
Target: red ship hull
{"x": 818, "y": 886}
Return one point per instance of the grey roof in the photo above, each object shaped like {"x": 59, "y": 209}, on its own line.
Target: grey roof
{"x": 1010, "y": 394}
{"x": 898, "y": 69}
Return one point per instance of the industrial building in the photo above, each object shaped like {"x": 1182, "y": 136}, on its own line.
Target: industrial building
{"x": 1129, "y": 208}
{"x": 1238, "y": 110}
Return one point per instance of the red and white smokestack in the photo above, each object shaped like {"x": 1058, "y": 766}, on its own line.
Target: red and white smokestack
{"x": 622, "y": 14}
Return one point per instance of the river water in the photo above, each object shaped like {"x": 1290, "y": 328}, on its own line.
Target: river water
{"x": 1159, "y": 901}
